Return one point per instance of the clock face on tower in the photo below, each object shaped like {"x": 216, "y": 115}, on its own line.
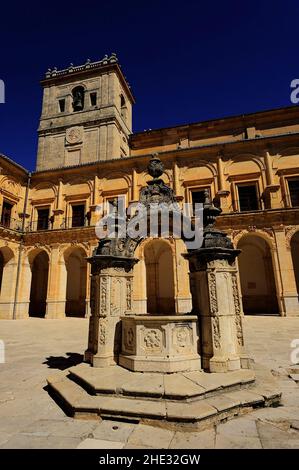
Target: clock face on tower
{"x": 74, "y": 135}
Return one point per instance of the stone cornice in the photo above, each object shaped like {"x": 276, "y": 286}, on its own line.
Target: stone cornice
{"x": 75, "y": 73}
{"x": 280, "y": 115}
{"x": 12, "y": 235}
{"x": 181, "y": 156}
{"x": 79, "y": 235}
{"x": 259, "y": 219}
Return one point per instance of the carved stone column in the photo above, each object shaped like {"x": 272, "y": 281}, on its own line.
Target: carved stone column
{"x": 57, "y": 280}
{"x": 218, "y": 305}
{"x": 110, "y": 298}
{"x": 216, "y": 298}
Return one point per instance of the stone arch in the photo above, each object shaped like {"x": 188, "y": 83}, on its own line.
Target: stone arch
{"x": 254, "y": 231}
{"x": 139, "y": 252}
{"x": 251, "y": 157}
{"x": 117, "y": 174}
{"x": 81, "y": 181}
{"x": 45, "y": 185}
{"x": 256, "y": 268}
{"x": 68, "y": 250}
{"x": 294, "y": 243}
{"x": 199, "y": 164}
{"x": 39, "y": 266}
{"x": 31, "y": 252}
{"x": 158, "y": 257}
{"x": 286, "y": 159}
{"x": 123, "y": 106}
{"x": 76, "y": 280}
{"x": 286, "y": 151}
{"x": 11, "y": 185}
{"x": 7, "y": 255}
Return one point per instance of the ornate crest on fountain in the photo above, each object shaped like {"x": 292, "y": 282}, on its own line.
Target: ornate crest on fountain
{"x": 117, "y": 247}
{"x": 156, "y": 191}
{"x": 155, "y": 167}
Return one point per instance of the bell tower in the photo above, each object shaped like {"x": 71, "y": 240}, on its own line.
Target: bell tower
{"x": 86, "y": 115}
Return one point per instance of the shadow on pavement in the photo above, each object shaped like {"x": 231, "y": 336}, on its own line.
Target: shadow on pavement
{"x": 62, "y": 362}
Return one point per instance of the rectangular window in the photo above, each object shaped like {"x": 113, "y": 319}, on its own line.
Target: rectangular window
{"x": 6, "y": 214}
{"x": 62, "y": 106}
{"x": 248, "y": 197}
{"x": 78, "y": 215}
{"x": 93, "y": 99}
{"x": 294, "y": 191}
{"x": 43, "y": 218}
{"x": 198, "y": 197}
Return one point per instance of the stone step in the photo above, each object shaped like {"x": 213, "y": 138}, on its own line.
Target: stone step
{"x": 80, "y": 404}
{"x": 295, "y": 377}
{"x": 176, "y": 386}
{"x": 294, "y": 369}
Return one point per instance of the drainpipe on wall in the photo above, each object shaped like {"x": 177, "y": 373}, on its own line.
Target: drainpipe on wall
{"x": 21, "y": 248}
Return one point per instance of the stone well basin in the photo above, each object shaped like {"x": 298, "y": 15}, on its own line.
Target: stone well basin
{"x": 160, "y": 343}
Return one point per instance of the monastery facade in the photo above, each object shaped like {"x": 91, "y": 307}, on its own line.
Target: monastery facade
{"x": 88, "y": 156}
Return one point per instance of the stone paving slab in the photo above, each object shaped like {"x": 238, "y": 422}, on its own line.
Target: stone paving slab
{"x": 133, "y": 446}
{"x": 295, "y": 424}
{"x": 241, "y": 427}
{"x": 279, "y": 413}
{"x": 216, "y": 381}
{"x": 103, "y": 380}
{"x": 100, "y": 444}
{"x": 237, "y": 442}
{"x": 223, "y": 403}
{"x": 151, "y": 385}
{"x": 246, "y": 397}
{"x": 294, "y": 369}
{"x": 193, "y": 440}
{"x": 60, "y": 428}
{"x": 25, "y": 441}
{"x": 144, "y": 435}
{"x": 189, "y": 412}
{"x": 179, "y": 387}
{"x": 4, "y": 437}
{"x": 113, "y": 430}
{"x": 268, "y": 392}
{"x": 274, "y": 438}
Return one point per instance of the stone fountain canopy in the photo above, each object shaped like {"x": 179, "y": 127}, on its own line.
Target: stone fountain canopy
{"x": 189, "y": 368}
{"x": 210, "y": 337}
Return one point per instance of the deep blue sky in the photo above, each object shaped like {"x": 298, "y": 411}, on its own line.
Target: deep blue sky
{"x": 185, "y": 60}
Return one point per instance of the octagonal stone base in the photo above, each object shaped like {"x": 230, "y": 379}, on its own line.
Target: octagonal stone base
{"x": 160, "y": 343}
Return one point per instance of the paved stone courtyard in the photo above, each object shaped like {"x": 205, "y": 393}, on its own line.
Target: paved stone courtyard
{"x": 29, "y": 418}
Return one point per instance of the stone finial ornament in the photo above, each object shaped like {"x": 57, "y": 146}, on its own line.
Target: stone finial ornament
{"x": 155, "y": 167}
{"x": 156, "y": 191}
{"x": 113, "y": 57}
{"x": 210, "y": 212}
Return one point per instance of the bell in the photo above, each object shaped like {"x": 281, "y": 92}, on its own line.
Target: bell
{"x": 78, "y": 101}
